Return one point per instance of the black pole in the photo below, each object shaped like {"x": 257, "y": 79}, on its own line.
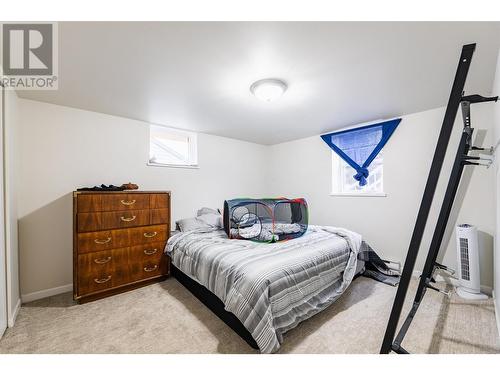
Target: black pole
{"x": 430, "y": 188}
{"x": 437, "y": 238}
{"x": 444, "y": 214}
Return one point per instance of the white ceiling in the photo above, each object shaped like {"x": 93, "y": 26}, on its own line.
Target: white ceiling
{"x": 196, "y": 75}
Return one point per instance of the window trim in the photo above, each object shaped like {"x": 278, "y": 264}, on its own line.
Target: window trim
{"x": 186, "y": 166}
{"x": 336, "y": 164}
{"x": 192, "y": 144}
{"x": 332, "y": 194}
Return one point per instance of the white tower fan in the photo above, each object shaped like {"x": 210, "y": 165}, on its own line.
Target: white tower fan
{"x": 468, "y": 263}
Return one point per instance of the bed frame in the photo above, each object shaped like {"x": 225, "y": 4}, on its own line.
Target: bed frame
{"x": 392, "y": 342}
{"x": 211, "y": 301}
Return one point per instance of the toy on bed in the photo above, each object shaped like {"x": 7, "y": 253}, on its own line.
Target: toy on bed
{"x": 265, "y": 220}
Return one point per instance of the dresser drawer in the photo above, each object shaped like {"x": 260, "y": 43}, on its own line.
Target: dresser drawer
{"x": 117, "y": 238}
{"x": 148, "y": 235}
{"x": 149, "y": 252}
{"x": 107, "y": 269}
{"x": 145, "y": 268}
{"x": 159, "y": 201}
{"x": 94, "y": 221}
{"x": 113, "y": 202}
{"x": 152, "y": 269}
{"x": 89, "y": 202}
{"x": 102, "y": 270}
{"x": 117, "y": 202}
{"x": 100, "y": 260}
{"x": 160, "y": 216}
{"x": 99, "y": 281}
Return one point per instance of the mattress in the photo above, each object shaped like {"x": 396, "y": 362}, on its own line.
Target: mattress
{"x": 272, "y": 287}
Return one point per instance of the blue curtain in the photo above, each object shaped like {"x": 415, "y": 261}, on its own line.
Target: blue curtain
{"x": 360, "y": 146}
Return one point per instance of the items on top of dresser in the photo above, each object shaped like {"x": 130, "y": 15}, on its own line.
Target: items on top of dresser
{"x": 102, "y": 187}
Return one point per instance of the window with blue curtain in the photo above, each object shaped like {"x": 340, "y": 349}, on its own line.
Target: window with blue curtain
{"x": 358, "y": 147}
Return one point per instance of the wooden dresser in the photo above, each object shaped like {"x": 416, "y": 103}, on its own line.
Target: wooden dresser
{"x": 118, "y": 241}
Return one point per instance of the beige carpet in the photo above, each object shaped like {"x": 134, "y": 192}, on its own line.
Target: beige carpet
{"x": 166, "y": 318}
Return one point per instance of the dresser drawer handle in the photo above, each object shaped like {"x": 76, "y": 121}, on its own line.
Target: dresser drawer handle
{"x": 102, "y": 260}
{"x": 128, "y": 203}
{"x": 150, "y": 234}
{"x": 127, "y": 219}
{"x": 150, "y": 252}
{"x": 102, "y": 242}
{"x": 151, "y": 269}
{"x": 102, "y": 281}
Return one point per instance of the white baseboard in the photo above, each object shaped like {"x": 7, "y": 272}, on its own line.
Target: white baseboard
{"x": 488, "y": 290}
{"x": 13, "y": 316}
{"x": 46, "y": 293}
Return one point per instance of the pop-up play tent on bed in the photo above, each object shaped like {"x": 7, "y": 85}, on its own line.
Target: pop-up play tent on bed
{"x": 266, "y": 220}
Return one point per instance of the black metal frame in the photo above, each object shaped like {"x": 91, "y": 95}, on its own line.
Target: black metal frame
{"x": 461, "y": 159}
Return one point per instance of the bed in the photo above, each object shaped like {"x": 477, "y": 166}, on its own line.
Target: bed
{"x": 263, "y": 290}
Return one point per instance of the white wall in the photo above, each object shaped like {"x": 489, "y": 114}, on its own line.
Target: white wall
{"x": 303, "y": 168}
{"x": 3, "y": 257}
{"x": 11, "y": 166}
{"x": 496, "y": 141}
{"x": 64, "y": 148}
{"x": 10, "y": 159}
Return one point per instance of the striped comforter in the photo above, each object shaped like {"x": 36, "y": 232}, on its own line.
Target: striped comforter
{"x": 271, "y": 288}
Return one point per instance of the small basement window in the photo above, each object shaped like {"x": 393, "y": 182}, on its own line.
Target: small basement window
{"x": 172, "y": 147}
{"x": 343, "y": 182}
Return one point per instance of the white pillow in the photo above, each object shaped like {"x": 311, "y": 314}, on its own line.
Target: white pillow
{"x": 206, "y": 210}
{"x": 214, "y": 220}
{"x": 192, "y": 223}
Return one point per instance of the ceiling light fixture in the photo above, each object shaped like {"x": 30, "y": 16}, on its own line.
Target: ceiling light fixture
{"x": 268, "y": 89}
